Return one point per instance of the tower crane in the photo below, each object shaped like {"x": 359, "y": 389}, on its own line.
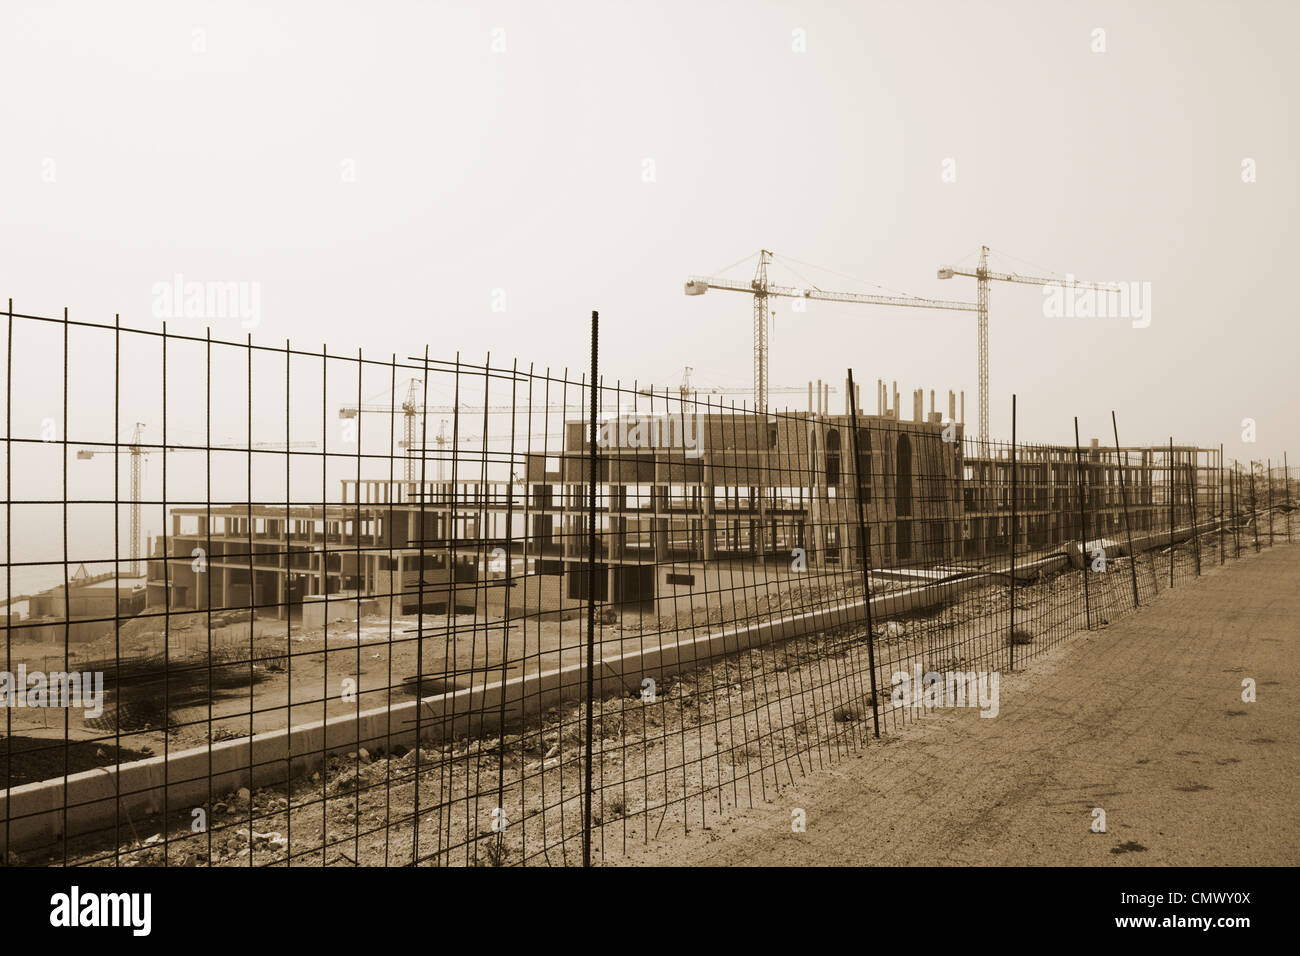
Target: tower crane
{"x": 983, "y": 276}
{"x": 688, "y": 388}
{"x": 139, "y": 451}
{"x": 410, "y": 407}
{"x": 762, "y": 290}
{"x": 443, "y": 440}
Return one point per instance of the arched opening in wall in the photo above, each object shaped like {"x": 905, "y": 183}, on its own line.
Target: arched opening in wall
{"x": 864, "y": 464}
{"x": 832, "y": 458}
{"x": 903, "y": 479}
{"x": 903, "y": 539}
{"x": 832, "y": 544}
{"x": 903, "y": 499}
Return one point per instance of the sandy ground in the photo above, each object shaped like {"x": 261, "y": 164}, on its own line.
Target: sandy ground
{"x": 743, "y": 731}
{"x": 733, "y": 732}
{"x": 312, "y": 667}
{"x": 1143, "y": 719}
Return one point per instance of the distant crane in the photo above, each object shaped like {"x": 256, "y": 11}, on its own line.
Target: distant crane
{"x": 688, "y": 388}
{"x": 139, "y": 451}
{"x": 410, "y": 407}
{"x": 762, "y": 290}
{"x": 443, "y": 440}
{"x": 983, "y": 277}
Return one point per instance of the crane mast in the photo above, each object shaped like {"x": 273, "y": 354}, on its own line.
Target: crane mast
{"x": 138, "y": 452}
{"x": 760, "y": 331}
{"x": 983, "y": 276}
{"x": 137, "y": 456}
{"x": 409, "y": 411}
{"x": 982, "y": 316}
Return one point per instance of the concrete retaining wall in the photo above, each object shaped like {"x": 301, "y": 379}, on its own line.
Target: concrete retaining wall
{"x": 179, "y": 782}
{"x": 1144, "y": 542}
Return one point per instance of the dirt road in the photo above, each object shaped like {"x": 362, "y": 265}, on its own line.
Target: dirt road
{"x": 1144, "y": 719}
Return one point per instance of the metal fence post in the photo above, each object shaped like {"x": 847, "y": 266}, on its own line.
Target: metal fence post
{"x": 1195, "y": 486}
{"x": 1123, "y": 494}
{"x": 1254, "y": 505}
{"x": 1286, "y": 485}
{"x": 1221, "y": 515}
{"x": 1083, "y": 527}
{"x": 1233, "y": 487}
{"x": 1173, "y": 485}
{"x": 864, "y": 543}
{"x": 1011, "y": 637}
{"x": 1268, "y": 476}
{"x": 591, "y": 590}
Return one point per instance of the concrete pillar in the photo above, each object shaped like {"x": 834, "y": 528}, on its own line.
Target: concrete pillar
{"x": 710, "y": 519}
{"x": 617, "y": 525}
{"x": 660, "y": 525}
{"x": 398, "y": 584}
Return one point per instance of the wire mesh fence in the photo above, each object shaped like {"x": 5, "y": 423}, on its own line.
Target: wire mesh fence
{"x": 279, "y": 606}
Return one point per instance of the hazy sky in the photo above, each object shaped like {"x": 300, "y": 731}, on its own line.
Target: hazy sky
{"x": 388, "y": 171}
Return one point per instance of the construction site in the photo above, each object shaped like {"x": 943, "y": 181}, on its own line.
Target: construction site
{"x": 747, "y": 493}
{"x": 845, "y": 437}
{"x": 532, "y": 625}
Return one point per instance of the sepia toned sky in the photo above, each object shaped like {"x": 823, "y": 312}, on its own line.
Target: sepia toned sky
{"x": 477, "y": 177}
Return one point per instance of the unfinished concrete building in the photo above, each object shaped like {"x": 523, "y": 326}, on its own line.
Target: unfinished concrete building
{"x": 690, "y": 506}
